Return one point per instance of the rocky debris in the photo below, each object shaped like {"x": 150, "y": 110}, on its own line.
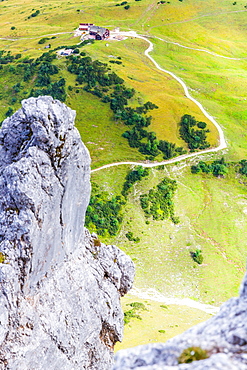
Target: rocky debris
{"x": 224, "y": 337}
{"x": 60, "y": 289}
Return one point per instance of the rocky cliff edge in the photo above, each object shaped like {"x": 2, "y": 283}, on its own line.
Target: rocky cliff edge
{"x": 217, "y": 344}
{"x": 60, "y": 287}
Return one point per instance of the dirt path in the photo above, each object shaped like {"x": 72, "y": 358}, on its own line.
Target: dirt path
{"x": 154, "y": 295}
{"x": 222, "y": 141}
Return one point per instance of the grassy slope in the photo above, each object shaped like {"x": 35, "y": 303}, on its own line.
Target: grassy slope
{"x": 153, "y": 85}
{"x": 162, "y": 256}
{"x": 172, "y": 319}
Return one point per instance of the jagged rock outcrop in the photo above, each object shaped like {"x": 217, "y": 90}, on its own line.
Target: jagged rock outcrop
{"x": 224, "y": 337}
{"x": 60, "y": 287}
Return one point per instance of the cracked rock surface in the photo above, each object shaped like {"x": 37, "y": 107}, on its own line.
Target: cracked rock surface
{"x": 59, "y": 297}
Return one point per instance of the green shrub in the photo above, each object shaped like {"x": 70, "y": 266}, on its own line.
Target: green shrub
{"x": 129, "y": 235}
{"x": 9, "y": 112}
{"x": 43, "y": 40}
{"x": 136, "y": 306}
{"x": 243, "y": 167}
{"x": 96, "y": 242}
{"x": 164, "y": 306}
{"x": 2, "y": 257}
{"x": 197, "y": 256}
{"x": 128, "y": 315}
{"x": 192, "y": 354}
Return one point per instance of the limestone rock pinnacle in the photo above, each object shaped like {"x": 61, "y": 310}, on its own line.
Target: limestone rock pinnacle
{"x": 59, "y": 300}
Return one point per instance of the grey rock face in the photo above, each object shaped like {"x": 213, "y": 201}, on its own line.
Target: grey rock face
{"x": 224, "y": 337}
{"x": 60, "y": 287}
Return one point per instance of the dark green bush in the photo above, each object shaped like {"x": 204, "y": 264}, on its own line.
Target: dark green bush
{"x": 129, "y": 235}
{"x": 197, "y": 256}
{"x": 43, "y": 40}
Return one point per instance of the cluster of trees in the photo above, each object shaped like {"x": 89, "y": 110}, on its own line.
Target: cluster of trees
{"x": 98, "y": 79}
{"x": 146, "y": 141}
{"x": 92, "y": 73}
{"x": 115, "y": 61}
{"x": 40, "y": 72}
{"x": 55, "y": 89}
{"x": 110, "y": 88}
{"x": 43, "y": 84}
{"x": 124, "y": 4}
{"x": 42, "y": 69}
{"x": 104, "y": 215}
{"x": 170, "y": 150}
{"x": 139, "y": 121}
{"x": 7, "y": 57}
{"x": 45, "y": 70}
{"x": 194, "y": 133}
{"x": 218, "y": 167}
{"x": 158, "y": 203}
{"x": 132, "y": 177}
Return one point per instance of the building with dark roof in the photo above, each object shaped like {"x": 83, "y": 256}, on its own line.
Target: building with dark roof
{"x": 99, "y": 33}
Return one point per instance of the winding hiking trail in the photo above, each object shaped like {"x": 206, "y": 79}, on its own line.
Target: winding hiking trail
{"x": 222, "y": 141}
{"x": 153, "y": 295}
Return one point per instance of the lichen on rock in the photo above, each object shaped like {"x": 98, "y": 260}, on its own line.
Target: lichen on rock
{"x": 59, "y": 302}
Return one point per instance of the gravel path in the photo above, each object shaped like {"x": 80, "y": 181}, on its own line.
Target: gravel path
{"x": 222, "y": 141}
{"x": 154, "y": 295}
